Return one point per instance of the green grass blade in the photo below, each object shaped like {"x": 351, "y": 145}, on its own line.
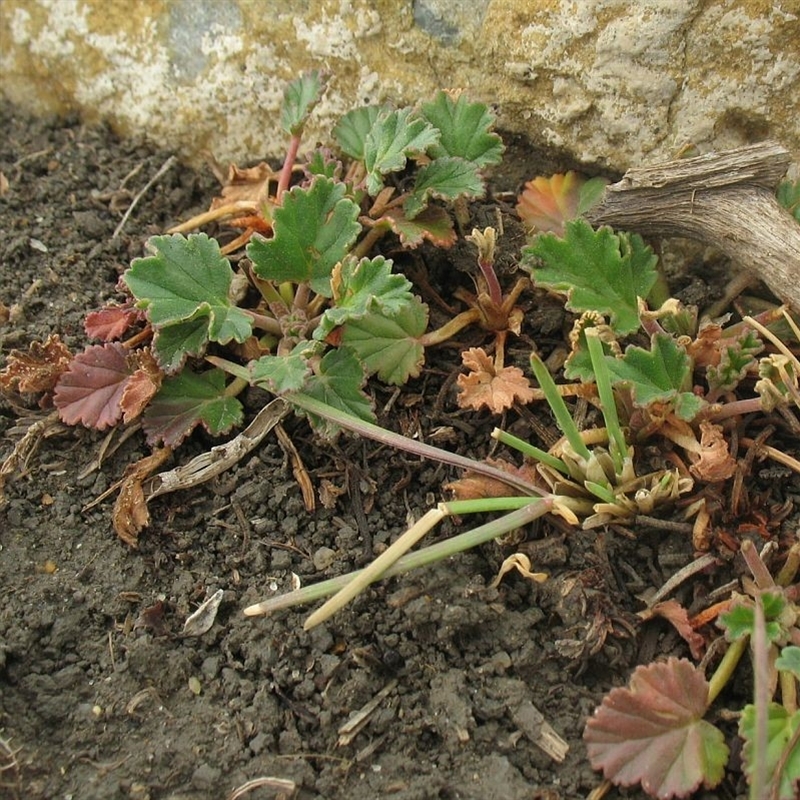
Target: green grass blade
{"x": 559, "y": 407}
{"x": 416, "y": 560}
{"x": 528, "y": 449}
{"x": 608, "y": 405}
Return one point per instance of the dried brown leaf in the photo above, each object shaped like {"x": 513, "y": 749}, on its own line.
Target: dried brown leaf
{"x": 130, "y": 515}
{"x": 714, "y": 462}
{"x": 487, "y": 387}
{"x": 39, "y": 369}
{"x": 473, "y": 486}
{"x": 705, "y": 348}
{"x": 329, "y": 493}
{"x": 522, "y": 564}
{"x": 143, "y": 384}
{"x": 152, "y": 619}
{"x": 250, "y": 184}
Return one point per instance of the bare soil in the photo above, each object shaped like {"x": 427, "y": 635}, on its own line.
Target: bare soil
{"x": 102, "y": 696}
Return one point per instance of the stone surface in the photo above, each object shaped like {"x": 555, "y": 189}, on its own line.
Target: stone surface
{"x": 609, "y": 82}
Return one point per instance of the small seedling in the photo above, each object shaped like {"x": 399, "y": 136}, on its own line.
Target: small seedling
{"x": 654, "y": 732}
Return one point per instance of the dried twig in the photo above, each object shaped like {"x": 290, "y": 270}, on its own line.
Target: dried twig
{"x": 220, "y": 458}
{"x": 726, "y": 200}
{"x": 162, "y": 169}
{"x": 286, "y": 787}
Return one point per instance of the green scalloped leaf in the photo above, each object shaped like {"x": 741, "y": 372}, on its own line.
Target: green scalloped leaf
{"x": 338, "y": 382}
{"x": 352, "y": 129}
{"x": 173, "y": 344}
{"x": 390, "y": 346}
{"x": 314, "y": 229}
{"x": 740, "y": 620}
{"x": 447, "y": 178}
{"x": 781, "y": 727}
{"x": 187, "y": 400}
{"x": 395, "y": 136}
{"x": 735, "y": 361}
{"x": 299, "y": 99}
{"x": 188, "y": 279}
{"x": 597, "y": 270}
{"x": 363, "y": 286}
{"x": 466, "y": 130}
{"x": 281, "y": 374}
{"x": 658, "y": 375}
{"x": 320, "y": 162}
{"x": 789, "y": 660}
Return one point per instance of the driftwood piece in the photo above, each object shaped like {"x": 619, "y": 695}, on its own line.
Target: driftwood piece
{"x": 726, "y": 200}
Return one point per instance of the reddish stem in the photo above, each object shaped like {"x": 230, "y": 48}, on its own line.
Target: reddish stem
{"x": 493, "y": 285}
{"x": 288, "y": 164}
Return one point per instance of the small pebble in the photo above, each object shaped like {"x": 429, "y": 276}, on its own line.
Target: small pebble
{"x": 323, "y": 558}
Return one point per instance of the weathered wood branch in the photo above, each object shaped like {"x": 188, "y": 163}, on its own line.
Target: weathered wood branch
{"x": 726, "y": 200}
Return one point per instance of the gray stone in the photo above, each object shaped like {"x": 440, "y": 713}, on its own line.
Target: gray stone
{"x": 609, "y": 82}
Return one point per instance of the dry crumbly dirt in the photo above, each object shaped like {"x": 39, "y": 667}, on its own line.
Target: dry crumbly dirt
{"x": 102, "y": 697}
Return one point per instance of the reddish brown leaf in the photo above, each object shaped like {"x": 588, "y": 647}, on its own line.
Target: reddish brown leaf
{"x": 39, "y": 369}
{"x": 433, "y": 224}
{"x": 653, "y": 732}
{"x": 487, "y": 387}
{"x": 89, "y": 392}
{"x": 677, "y": 616}
{"x": 110, "y": 323}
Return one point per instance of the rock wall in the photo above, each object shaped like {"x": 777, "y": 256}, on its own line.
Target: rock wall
{"x": 608, "y": 82}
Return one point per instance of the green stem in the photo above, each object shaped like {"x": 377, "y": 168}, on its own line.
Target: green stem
{"x": 269, "y": 292}
{"x": 372, "y": 237}
{"x": 396, "y": 440}
{"x": 559, "y": 407}
{"x": 724, "y": 671}
{"x": 736, "y": 408}
{"x": 264, "y": 323}
{"x": 485, "y": 505}
{"x": 601, "y": 492}
{"x": 301, "y": 296}
{"x": 451, "y": 328}
{"x": 768, "y": 334}
{"x": 608, "y": 405}
{"x": 788, "y": 684}
{"x": 760, "y": 651}
{"x": 660, "y": 292}
{"x": 758, "y": 569}
{"x": 235, "y": 387}
{"x": 410, "y": 561}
